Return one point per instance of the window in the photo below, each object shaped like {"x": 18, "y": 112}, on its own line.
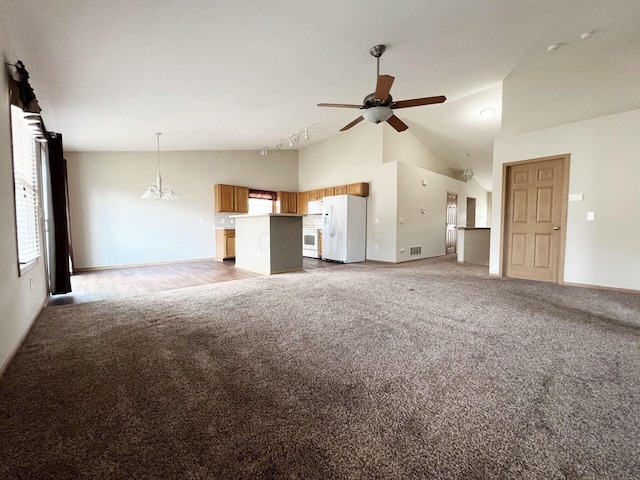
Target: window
{"x": 260, "y": 206}
{"x": 25, "y": 177}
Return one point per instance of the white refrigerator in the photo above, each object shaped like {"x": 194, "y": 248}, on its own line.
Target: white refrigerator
{"x": 344, "y": 228}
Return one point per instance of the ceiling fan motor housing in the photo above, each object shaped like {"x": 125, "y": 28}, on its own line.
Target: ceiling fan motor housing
{"x": 371, "y": 101}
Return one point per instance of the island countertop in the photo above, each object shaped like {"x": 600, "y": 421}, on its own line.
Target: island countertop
{"x": 268, "y": 215}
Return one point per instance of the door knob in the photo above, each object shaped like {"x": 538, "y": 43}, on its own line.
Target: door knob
{"x": 556, "y": 227}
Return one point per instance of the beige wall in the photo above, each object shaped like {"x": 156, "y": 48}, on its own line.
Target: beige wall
{"x": 605, "y": 169}
{"x": 394, "y": 164}
{"x": 356, "y": 156}
{"x": 19, "y": 303}
{"x": 112, "y": 226}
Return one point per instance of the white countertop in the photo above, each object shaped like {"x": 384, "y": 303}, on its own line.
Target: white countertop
{"x": 268, "y": 215}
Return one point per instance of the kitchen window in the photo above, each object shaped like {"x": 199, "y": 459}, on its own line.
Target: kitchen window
{"x": 261, "y": 201}
{"x": 27, "y": 190}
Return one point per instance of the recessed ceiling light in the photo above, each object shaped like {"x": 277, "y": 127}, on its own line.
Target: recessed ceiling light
{"x": 553, "y": 48}
{"x": 586, "y": 35}
{"x": 487, "y": 112}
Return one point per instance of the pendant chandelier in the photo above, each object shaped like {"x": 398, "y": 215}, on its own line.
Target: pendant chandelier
{"x": 158, "y": 189}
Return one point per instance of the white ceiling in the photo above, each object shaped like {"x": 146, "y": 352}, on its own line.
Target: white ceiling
{"x": 243, "y": 74}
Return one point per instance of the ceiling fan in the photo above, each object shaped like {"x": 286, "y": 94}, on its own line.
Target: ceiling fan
{"x": 379, "y": 105}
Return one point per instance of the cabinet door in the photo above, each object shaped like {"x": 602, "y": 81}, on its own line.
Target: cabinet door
{"x": 342, "y": 190}
{"x": 330, "y": 191}
{"x": 313, "y": 195}
{"x": 303, "y": 203}
{"x": 223, "y": 197}
{"x": 230, "y": 246}
{"x": 287, "y": 202}
{"x": 241, "y": 195}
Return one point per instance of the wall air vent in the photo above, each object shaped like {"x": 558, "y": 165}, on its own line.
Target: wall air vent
{"x": 415, "y": 250}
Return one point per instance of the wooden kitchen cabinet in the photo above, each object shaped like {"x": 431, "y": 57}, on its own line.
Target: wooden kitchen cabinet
{"x": 316, "y": 194}
{"x": 360, "y": 189}
{"x": 225, "y": 243}
{"x": 231, "y": 199}
{"x": 330, "y": 191}
{"x": 303, "y": 203}
{"x": 287, "y": 202}
{"x": 342, "y": 190}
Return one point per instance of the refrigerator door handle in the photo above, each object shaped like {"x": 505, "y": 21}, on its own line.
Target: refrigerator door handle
{"x": 331, "y": 223}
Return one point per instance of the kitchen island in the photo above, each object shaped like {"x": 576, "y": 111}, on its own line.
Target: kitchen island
{"x": 269, "y": 243}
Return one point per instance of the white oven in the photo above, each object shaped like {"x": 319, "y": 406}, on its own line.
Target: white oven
{"x": 310, "y": 242}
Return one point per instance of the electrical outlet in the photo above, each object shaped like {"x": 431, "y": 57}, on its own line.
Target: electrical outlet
{"x": 401, "y": 220}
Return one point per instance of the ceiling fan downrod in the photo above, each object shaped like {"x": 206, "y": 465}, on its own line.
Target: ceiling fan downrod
{"x": 377, "y": 52}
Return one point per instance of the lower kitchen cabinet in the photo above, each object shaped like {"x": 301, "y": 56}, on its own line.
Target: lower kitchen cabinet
{"x": 225, "y": 243}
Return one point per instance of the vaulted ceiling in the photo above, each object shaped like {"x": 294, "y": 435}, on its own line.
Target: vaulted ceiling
{"x": 245, "y": 74}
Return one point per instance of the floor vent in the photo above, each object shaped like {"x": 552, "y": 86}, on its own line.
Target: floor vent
{"x": 415, "y": 250}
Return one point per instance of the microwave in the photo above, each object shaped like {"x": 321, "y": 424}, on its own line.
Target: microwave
{"x": 315, "y": 206}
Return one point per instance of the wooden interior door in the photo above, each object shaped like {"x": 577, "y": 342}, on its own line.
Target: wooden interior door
{"x": 452, "y": 219}
{"x": 534, "y": 218}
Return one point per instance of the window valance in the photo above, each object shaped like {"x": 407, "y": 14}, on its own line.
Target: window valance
{"x": 263, "y": 194}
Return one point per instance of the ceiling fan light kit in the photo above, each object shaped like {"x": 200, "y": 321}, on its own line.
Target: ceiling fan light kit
{"x": 377, "y": 114}
{"x": 378, "y": 106}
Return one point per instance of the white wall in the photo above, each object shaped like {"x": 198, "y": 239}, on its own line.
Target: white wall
{"x": 19, "y": 304}
{"x": 111, "y": 225}
{"x": 605, "y": 168}
{"x": 428, "y": 229}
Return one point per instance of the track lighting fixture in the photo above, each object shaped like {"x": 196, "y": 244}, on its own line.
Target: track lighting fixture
{"x": 294, "y": 138}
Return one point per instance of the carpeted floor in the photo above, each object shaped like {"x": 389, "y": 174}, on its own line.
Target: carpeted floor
{"x": 422, "y": 370}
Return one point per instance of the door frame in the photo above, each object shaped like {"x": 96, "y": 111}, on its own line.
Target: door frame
{"x": 566, "y": 160}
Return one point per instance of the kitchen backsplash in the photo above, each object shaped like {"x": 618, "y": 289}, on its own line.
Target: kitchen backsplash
{"x": 222, "y": 220}
{"x": 312, "y": 221}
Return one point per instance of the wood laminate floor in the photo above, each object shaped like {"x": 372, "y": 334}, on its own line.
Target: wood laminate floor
{"x": 97, "y": 285}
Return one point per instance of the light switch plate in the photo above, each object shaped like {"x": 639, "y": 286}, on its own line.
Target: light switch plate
{"x": 591, "y": 216}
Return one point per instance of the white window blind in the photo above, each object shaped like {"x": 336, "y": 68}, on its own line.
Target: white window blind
{"x": 25, "y": 177}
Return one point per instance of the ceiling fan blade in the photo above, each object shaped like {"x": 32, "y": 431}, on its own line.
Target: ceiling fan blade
{"x": 355, "y": 122}
{"x": 396, "y": 123}
{"x": 339, "y": 105}
{"x": 383, "y": 86}
{"x": 416, "y": 102}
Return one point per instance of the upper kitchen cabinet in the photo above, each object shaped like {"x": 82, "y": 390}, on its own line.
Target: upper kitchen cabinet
{"x": 303, "y": 203}
{"x": 359, "y": 189}
{"x": 316, "y": 194}
{"x": 287, "y": 202}
{"x": 342, "y": 190}
{"x": 231, "y": 199}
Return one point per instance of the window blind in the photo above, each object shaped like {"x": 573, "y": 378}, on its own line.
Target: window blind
{"x": 25, "y": 177}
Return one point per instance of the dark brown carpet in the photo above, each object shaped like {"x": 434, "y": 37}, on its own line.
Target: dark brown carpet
{"x": 420, "y": 370}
